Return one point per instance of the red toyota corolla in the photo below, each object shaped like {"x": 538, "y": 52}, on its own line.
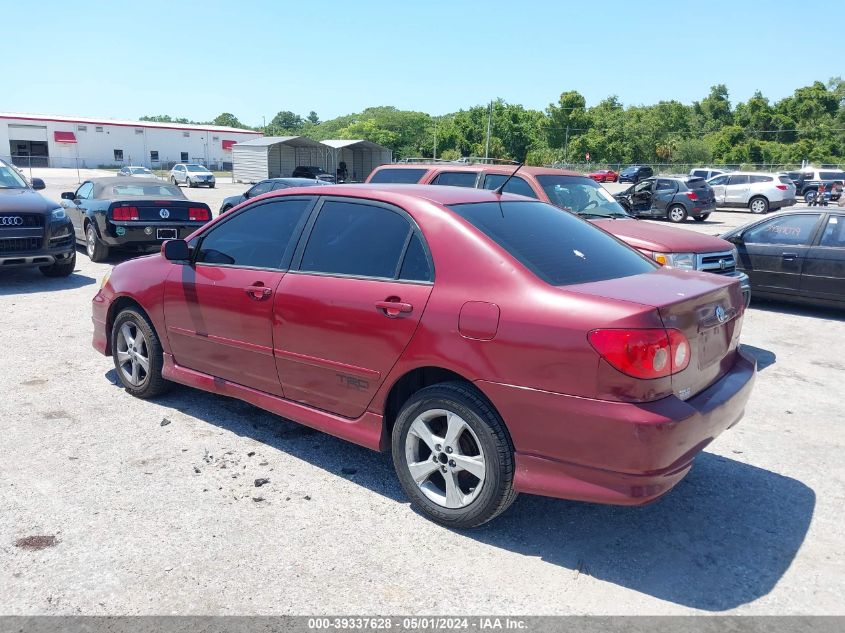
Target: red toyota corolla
{"x": 493, "y": 343}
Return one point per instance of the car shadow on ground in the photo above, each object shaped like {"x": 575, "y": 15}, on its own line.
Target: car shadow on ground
{"x": 722, "y": 538}
{"x": 797, "y": 309}
{"x": 19, "y": 281}
{"x": 765, "y": 358}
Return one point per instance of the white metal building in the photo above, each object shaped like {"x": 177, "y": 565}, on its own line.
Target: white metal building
{"x": 275, "y": 157}
{"x": 62, "y": 141}
{"x": 358, "y": 156}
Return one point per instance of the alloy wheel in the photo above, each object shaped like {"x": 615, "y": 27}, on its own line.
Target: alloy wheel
{"x": 133, "y": 356}
{"x": 676, "y": 214}
{"x": 445, "y": 458}
{"x": 90, "y": 242}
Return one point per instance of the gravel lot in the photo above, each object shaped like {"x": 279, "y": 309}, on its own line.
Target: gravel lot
{"x": 151, "y": 507}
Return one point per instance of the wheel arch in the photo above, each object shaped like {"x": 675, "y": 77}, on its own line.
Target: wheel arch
{"x": 117, "y": 306}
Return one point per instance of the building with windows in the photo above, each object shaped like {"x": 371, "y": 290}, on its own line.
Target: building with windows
{"x": 62, "y": 141}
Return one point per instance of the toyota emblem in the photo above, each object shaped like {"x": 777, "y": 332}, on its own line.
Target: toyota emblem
{"x": 13, "y": 220}
{"x": 721, "y": 314}
{"x": 164, "y": 213}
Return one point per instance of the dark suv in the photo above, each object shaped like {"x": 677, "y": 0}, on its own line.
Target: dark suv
{"x": 33, "y": 230}
{"x": 635, "y": 173}
{"x": 313, "y": 172}
{"x": 673, "y": 198}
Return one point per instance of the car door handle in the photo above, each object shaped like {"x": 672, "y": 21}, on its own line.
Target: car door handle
{"x": 790, "y": 257}
{"x": 258, "y": 291}
{"x": 392, "y": 309}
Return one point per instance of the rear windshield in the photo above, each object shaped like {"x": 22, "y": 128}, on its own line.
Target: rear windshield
{"x": 786, "y": 180}
{"x": 142, "y": 191}
{"x": 696, "y": 183}
{"x": 832, "y": 175}
{"x": 399, "y": 176}
{"x": 557, "y": 247}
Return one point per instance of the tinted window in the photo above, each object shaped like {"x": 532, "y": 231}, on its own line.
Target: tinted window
{"x": 832, "y": 175}
{"x": 756, "y": 179}
{"x": 696, "y": 183}
{"x": 794, "y": 230}
{"x": 557, "y": 247}
{"x": 720, "y": 180}
{"x": 356, "y": 239}
{"x": 834, "y": 232}
{"x": 665, "y": 184}
{"x": 259, "y": 236}
{"x": 739, "y": 179}
{"x": 261, "y": 187}
{"x": 646, "y": 171}
{"x": 415, "y": 266}
{"x": 701, "y": 173}
{"x": 456, "y": 179}
{"x": 515, "y": 184}
{"x": 402, "y": 176}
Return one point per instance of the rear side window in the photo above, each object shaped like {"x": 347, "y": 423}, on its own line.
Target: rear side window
{"x": 832, "y": 175}
{"x": 515, "y": 185}
{"x": 260, "y": 236}
{"x": 739, "y": 179}
{"x": 700, "y": 173}
{"x": 557, "y": 247}
{"x": 456, "y": 179}
{"x": 834, "y": 232}
{"x": 794, "y": 230}
{"x": 399, "y": 176}
{"x": 356, "y": 239}
{"x": 666, "y": 185}
{"x": 415, "y": 265}
{"x": 758, "y": 179}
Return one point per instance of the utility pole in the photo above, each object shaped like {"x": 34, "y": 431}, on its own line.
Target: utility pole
{"x": 489, "y": 118}
{"x": 434, "y": 156}
{"x": 566, "y": 147}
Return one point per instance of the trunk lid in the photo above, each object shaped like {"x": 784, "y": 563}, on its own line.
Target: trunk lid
{"x": 707, "y": 309}
{"x": 152, "y": 211}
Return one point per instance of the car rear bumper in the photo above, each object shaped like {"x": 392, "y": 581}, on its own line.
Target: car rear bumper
{"x": 145, "y": 236}
{"x": 615, "y": 452}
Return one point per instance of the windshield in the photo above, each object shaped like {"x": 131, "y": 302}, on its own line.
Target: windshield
{"x": 195, "y": 168}
{"x": 557, "y": 247}
{"x": 10, "y": 179}
{"x": 582, "y": 196}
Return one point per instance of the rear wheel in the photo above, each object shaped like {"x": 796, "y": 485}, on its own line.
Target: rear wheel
{"x": 97, "y": 251}
{"x": 453, "y": 456}
{"x": 758, "y": 205}
{"x": 701, "y": 218}
{"x": 137, "y": 354}
{"x": 60, "y": 269}
{"x": 173, "y": 181}
{"x": 676, "y": 213}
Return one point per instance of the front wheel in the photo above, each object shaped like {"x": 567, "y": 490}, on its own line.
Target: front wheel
{"x": 60, "y": 269}
{"x": 189, "y": 183}
{"x": 97, "y": 251}
{"x": 453, "y": 456}
{"x": 137, "y": 354}
{"x": 810, "y": 197}
{"x": 701, "y": 218}
{"x": 173, "y": 181}
{"x": 758, "y": 205}
{"x": 676, "y": 213}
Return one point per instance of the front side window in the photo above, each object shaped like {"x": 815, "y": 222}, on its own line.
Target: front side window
{"x": 515, "y": 185}
{"x": 261, "y": 187}
{"x": 719, "y": 180}
{"x": 834, "y": 232}
{"x": 84, "y": 192}
{"x": 356, "y": 239}
{"x": 456, "y": 179}
{"x": 557, "y": 247}
{"x": 398, "y": 176}
{"x": 792, "y": 230}
{"x": 260, "y": 236}
{"x": 739, "y": 179}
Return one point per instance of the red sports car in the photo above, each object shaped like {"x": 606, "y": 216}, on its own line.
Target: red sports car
{"x": 604, "y": 175}
{"x": 492, "y": 343}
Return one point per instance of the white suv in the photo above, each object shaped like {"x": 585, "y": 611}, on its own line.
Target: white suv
{"x": 759, "y": 192}
{"x": 191, "y": 174}
{"x": 706, "y": 172}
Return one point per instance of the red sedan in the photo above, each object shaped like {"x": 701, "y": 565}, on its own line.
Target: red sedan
{"x": 604, "y": 175}
{"x": 492, "y": 343}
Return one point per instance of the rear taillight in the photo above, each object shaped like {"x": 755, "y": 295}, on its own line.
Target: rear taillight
{"x": 198, "y": 214}
{"x": 782, "y": 187}
{"x": 692, "y": 195}
{"x": 646, "y": 354}
{"x": 124, "y": 214}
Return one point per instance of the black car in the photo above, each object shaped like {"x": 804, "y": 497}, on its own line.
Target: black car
{"x": 796, "y": 256}
{"x": 673, "y": 198}
{"x": 130, "y": 214}
{"x": 313, "y": 172}
{"x": 34, "y": 231}
{"x": 635, "y": 173}
{"x": 265, "y": 186}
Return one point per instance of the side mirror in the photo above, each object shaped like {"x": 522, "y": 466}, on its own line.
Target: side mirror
{"x": 38, "y": 184}
{"x": 68, "y": 195}
{"x": 175, "y": 250}
{"x": 735, "y": 239}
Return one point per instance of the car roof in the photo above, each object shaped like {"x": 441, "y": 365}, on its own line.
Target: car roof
{"x": 100, "y": 184}
{"x": 477, "y": 167}
{"x": 442, "y": 195}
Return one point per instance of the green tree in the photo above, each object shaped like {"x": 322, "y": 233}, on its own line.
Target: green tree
{"x": 227, "y": 119}
{"x": 313, "y": 118}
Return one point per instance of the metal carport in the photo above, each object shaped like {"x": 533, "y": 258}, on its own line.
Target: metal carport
{"x": 361, "y": 157}
{"x": 275, "y": 157}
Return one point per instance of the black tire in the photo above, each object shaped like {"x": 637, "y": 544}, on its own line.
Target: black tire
{"x": 151, "y": 384}
{"x": 226, "y": 209}
{"x": 189, "y": 183}
{"x": 809, "y": 196}
{"x": 676, "y": 213}
{"x": 174, "y": 181}
{"x": 211, "y": 186}
{"x": 758, "y": 205}
{"x": 97, "y": 251}
{"x": 60, "y": 269}
{"x": 701, "y": 218}
{"x": 494, "y": 444}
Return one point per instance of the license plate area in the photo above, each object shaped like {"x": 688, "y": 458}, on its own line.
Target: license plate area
{"x": 167, "y": 234}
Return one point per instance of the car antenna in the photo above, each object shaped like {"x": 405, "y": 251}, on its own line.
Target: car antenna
{"x": 498, "y": 190}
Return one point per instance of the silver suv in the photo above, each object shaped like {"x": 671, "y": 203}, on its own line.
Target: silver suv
{"x": 759, "y": 192}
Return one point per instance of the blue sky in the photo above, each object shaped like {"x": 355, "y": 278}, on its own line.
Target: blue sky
{"x": 254, "y": 58}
